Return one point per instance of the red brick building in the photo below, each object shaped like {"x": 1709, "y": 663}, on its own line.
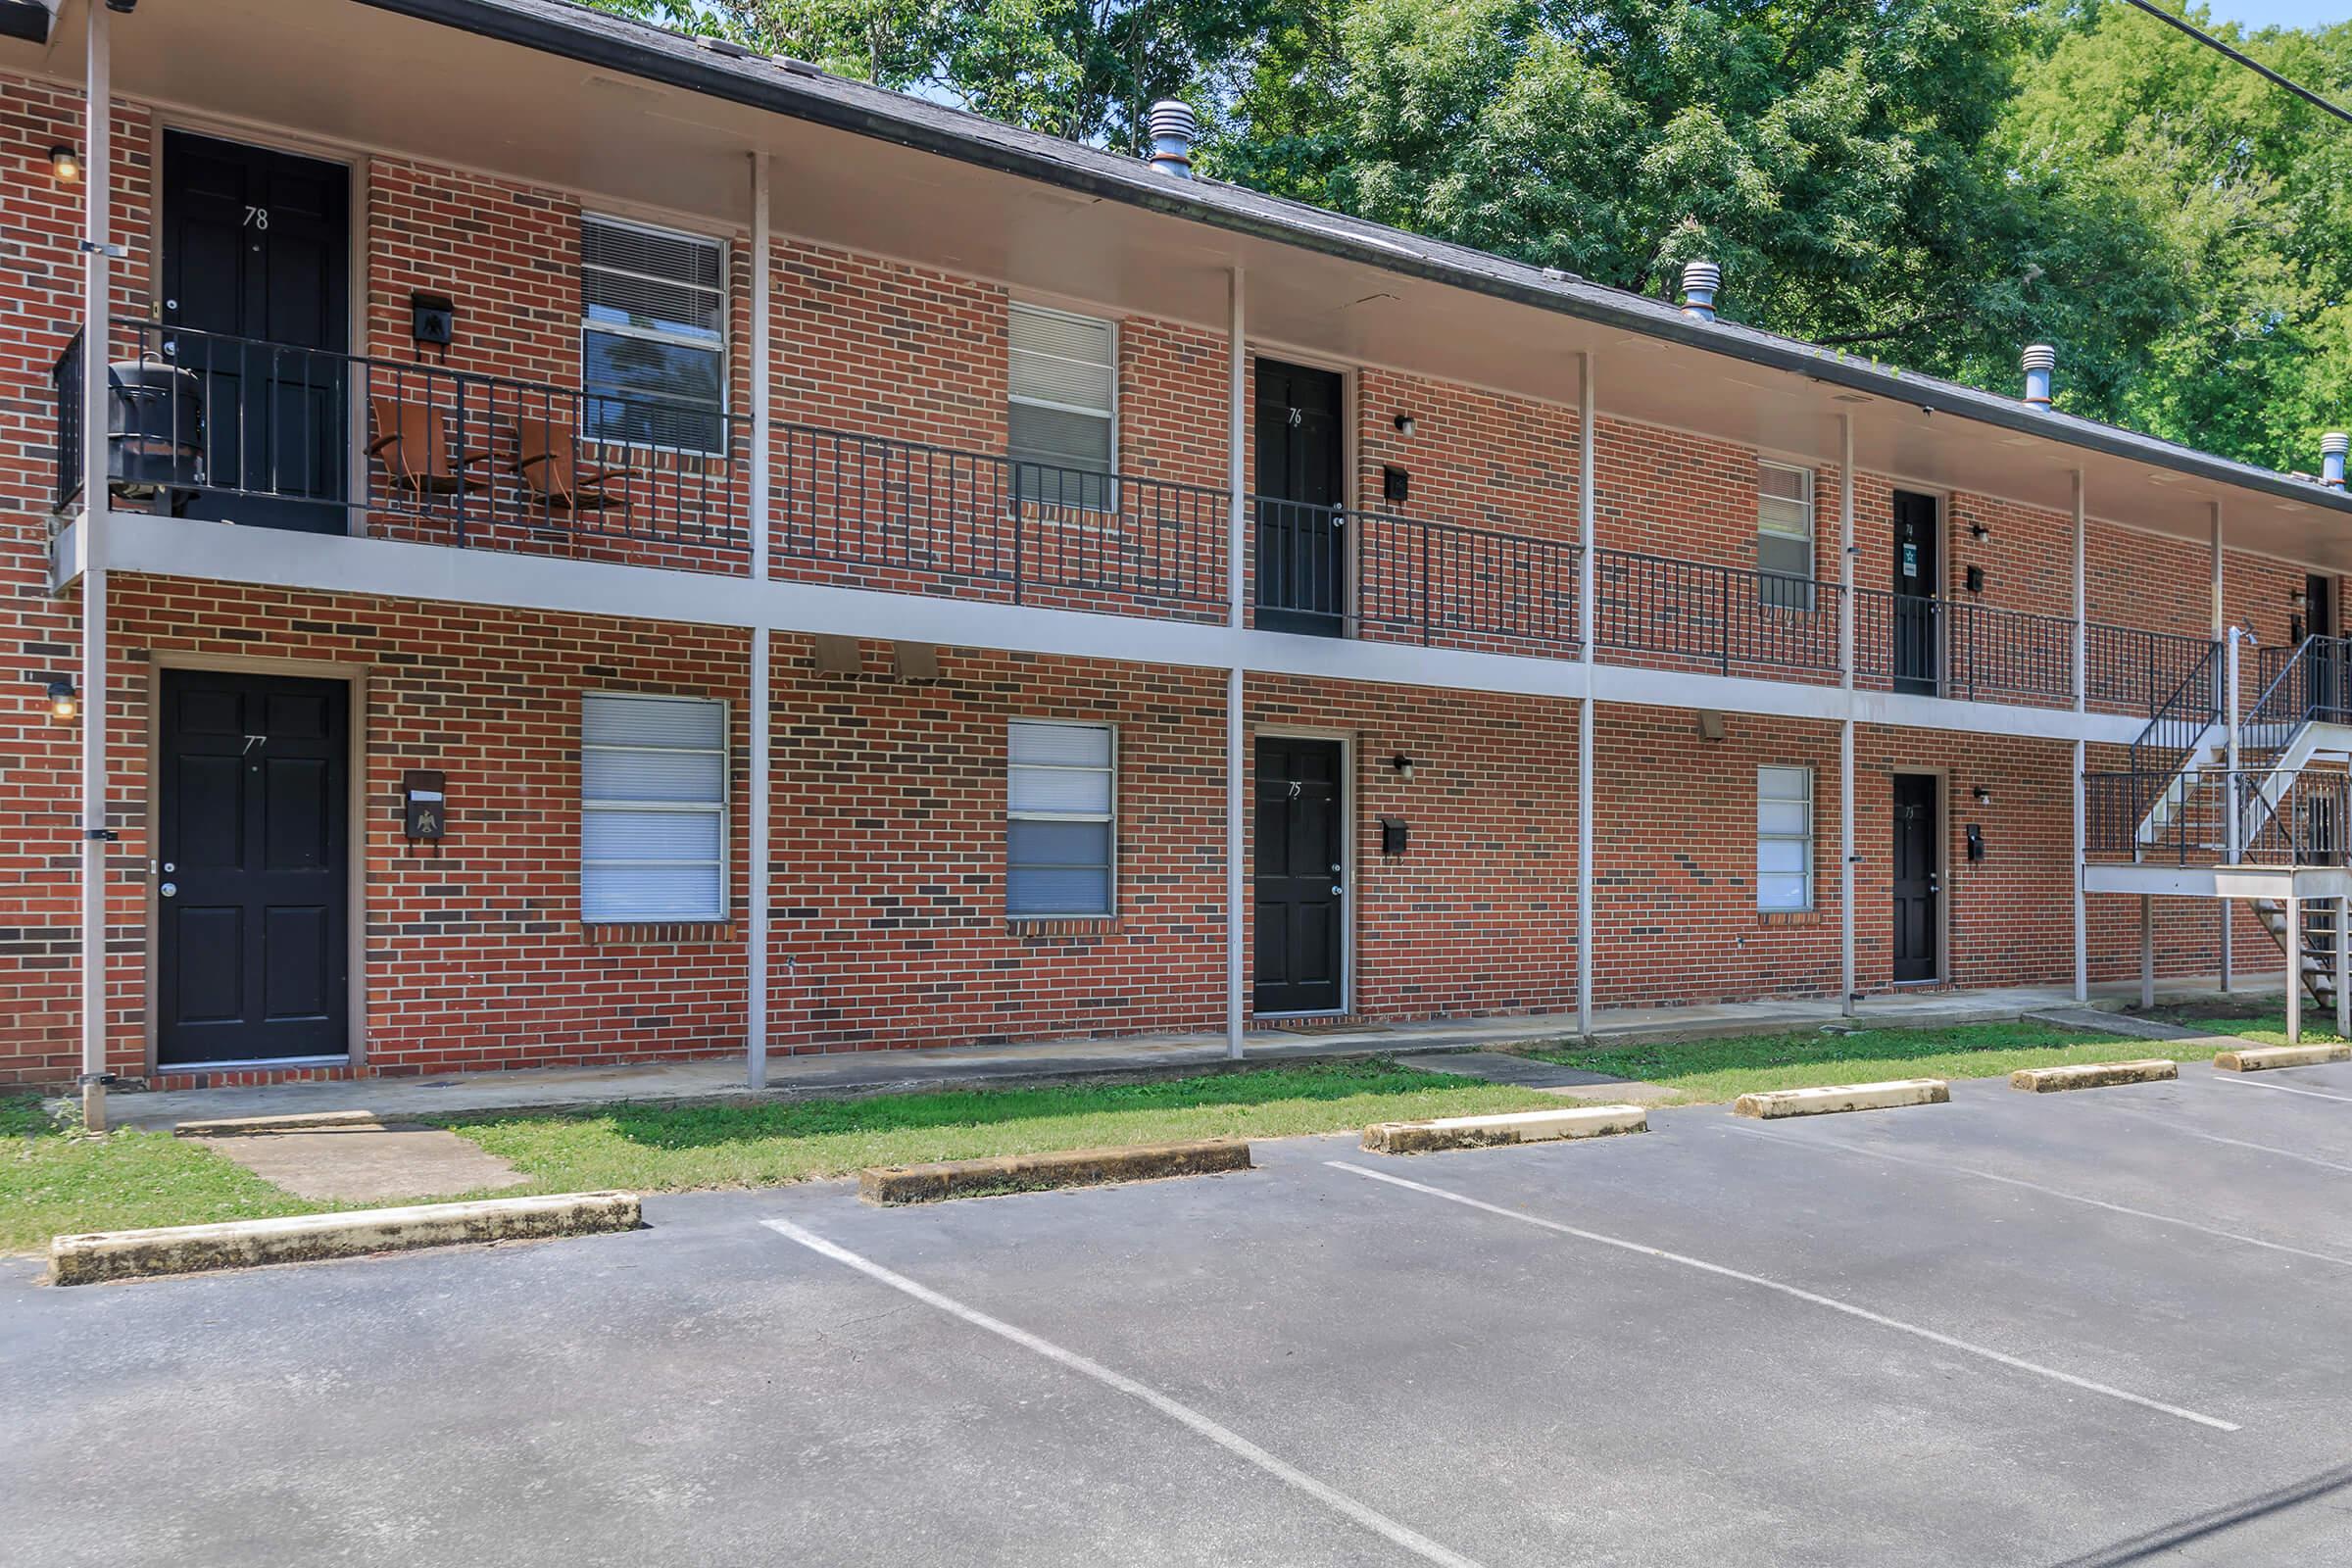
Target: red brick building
{"x": 616, "y": 550}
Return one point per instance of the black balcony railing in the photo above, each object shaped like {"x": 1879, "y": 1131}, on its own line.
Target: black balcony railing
{"x": 1441, "y": 583}
{"x": 2140, "y": 672}
{"x": 925, "y": 519}
{"x": 65, "y": 378}
{"x": 2306, "y": 681}
{"x": 446, "y": 455}
{"x": 1720, "y": 615}
{"x": 2284, "y": 818}
{"x": 1958, "y": 648}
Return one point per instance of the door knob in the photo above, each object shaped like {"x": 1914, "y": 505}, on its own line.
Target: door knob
{"x": 168, "y": 889}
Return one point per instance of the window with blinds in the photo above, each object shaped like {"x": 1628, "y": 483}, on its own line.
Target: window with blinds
{"x": 653, "y": 335}
{"x": 1784, "y": 536}
{"x": 1062, "y": 406}
{"x": 1061, "y": 789}
{"x": 653, "y": 809}
{"x": 1784, "y": 839}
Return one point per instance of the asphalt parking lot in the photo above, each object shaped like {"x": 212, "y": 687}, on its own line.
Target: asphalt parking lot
{"x": 2098, "y": 1327}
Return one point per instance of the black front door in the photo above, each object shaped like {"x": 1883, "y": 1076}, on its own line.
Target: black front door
{"x": 2328, "y": 701}
{"x": 1301, "y": 900}
{"x": 1914, "y": 625}
{"x": 256, "y": 279}
{"x": 1917, "y": 901}
{"x": 251, "y": 961}
{"x": 1302, "y": 543}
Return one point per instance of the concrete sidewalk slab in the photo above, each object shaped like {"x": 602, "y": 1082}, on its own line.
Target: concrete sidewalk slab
{"x": 1038, "y": 1063}
{"x": 360, "y": 1164}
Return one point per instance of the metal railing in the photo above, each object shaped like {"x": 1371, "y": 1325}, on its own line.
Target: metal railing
{"x": 460, "y": 455}
{"x": 65, "y": 378}
{"x": 1444, "y": 583}
{"x": 2284, "y": 818}
{"x": 1722, "y": 616}
{"x": 2140, "y": 672}
{"x": 1299, "y": 555}
{"x": 1958, "y": 648}
{"x": 2180, "y": 719}
{"x": 908, "y": 514}
{"x": 2311, "y": 681}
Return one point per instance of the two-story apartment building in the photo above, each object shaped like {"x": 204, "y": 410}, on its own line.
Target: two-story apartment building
{"x": 595, "y": 547}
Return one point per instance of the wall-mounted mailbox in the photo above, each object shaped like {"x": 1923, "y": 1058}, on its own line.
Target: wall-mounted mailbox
{"x": 1396, "y": 485}
{"x": 423, "y": 805}
{"x": 433, "y": 318}
{"x": 1393, "y": 835}
{"x": 1976, "y": 842}
{"x": 1975, "y": 579}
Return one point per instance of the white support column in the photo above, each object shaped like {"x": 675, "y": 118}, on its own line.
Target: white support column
{"x": 1846, "y": 728}
{"x": 756, "y": 967}
{"x": 2295, "y": 970}
{"x": 1588, "y": 622}
{"x": 2215, "y": 618}
{"x": 97, "y": 175}
{"x": 1236, "y": 543}
{"x": 2343, "y": 968}
{"x": 2082, "y": 708}
{"x": 2147, "y": 951}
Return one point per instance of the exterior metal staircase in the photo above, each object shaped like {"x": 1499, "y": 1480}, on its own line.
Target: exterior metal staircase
{"x": 2284, "y": 813}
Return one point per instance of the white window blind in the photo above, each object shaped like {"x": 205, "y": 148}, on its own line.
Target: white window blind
{"x": 1062, "y": 378}
{"x": 1784, "y": 838}
{"x": 653, "y": 335}
{"x": 1062, "y": 793}
{"x": 1784, "y": 536}
{"x": 653, "y": 809}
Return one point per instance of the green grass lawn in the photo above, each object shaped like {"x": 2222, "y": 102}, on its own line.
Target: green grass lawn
{"x": 1705, "y": 1072}
{"x": 53, "y": 1184}
{"x": 647, "y": 1147}
{"x": 2263, "y": 1028}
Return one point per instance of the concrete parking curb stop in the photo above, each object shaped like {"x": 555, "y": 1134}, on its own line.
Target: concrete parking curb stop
{"x": 2095, "y": 1075}
{"x": 1773, "y": 1102}
{"x": 317, "y": 1121}
{"x": 1029, "y": 1173}
{"x": 1513, "y": 1127}
{"x": 2261, "y": 1059}
{"x": 303, "y": 1238}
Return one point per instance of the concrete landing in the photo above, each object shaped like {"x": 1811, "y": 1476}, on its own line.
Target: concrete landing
{"x": 361, "y": 1164}
{"x": 1525, "y": 1072}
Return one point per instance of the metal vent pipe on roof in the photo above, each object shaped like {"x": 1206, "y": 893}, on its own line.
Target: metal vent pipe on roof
{"x": 1700, "y": 280}
{"x": 2332, "y": 447}
{"x": 1173, "y": 127}
{"x": 2040, "y": 361}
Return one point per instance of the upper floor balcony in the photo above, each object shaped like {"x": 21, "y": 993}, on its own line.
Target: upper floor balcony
{"x": 211, "y": 427}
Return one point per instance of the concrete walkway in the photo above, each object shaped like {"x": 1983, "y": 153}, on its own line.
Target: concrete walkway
{"x": 1067, "y": 1061}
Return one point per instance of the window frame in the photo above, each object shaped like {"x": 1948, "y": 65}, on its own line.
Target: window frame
{"x": 1781, "y": 590}
{"x": 724, "y": 808}
{"x": 725, "y": 347}
{"x": 1111, "y": 818}
{"x": 1807, "y": 839}
{"x": 1014, "y": 308}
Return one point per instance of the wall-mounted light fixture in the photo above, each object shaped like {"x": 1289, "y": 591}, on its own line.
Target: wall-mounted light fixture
{"x": 1983, "y": 795}
{"x": 1976, "y": 530}
{"x": 2294, "y": 596}
{"x": 1402, "y": 763}
{"x": 65, "y": 164}
{"x": 1405, "y": 426}
{"x": 64, "y": 702}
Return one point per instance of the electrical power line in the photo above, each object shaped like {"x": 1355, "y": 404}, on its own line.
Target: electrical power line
{"x": 2247, "y": 61}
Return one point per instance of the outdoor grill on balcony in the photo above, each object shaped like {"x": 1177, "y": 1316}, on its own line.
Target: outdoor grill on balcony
{"x": 154, "y": 430}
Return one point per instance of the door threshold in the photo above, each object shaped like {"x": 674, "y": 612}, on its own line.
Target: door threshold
{"x": 251, "y": 1063}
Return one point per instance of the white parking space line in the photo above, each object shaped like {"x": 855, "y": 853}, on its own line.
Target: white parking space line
{"x": 2171, "y": 1125}
{"x": 1231, "y": 1442}
{"x": 2285, "y": 1088}
{"x": 1947, "y": 1168}
{"x": 1797, "y": 1292}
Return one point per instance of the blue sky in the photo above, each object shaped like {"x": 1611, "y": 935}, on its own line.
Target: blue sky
{"x": 2281, "y": 13}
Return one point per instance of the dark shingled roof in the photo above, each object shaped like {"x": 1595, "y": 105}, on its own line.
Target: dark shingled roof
{"x": 618, "y": 43}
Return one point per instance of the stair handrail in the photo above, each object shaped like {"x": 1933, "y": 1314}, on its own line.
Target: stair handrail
{"x": 2175, "y": 723}
{"x": 2276, "y": 703}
